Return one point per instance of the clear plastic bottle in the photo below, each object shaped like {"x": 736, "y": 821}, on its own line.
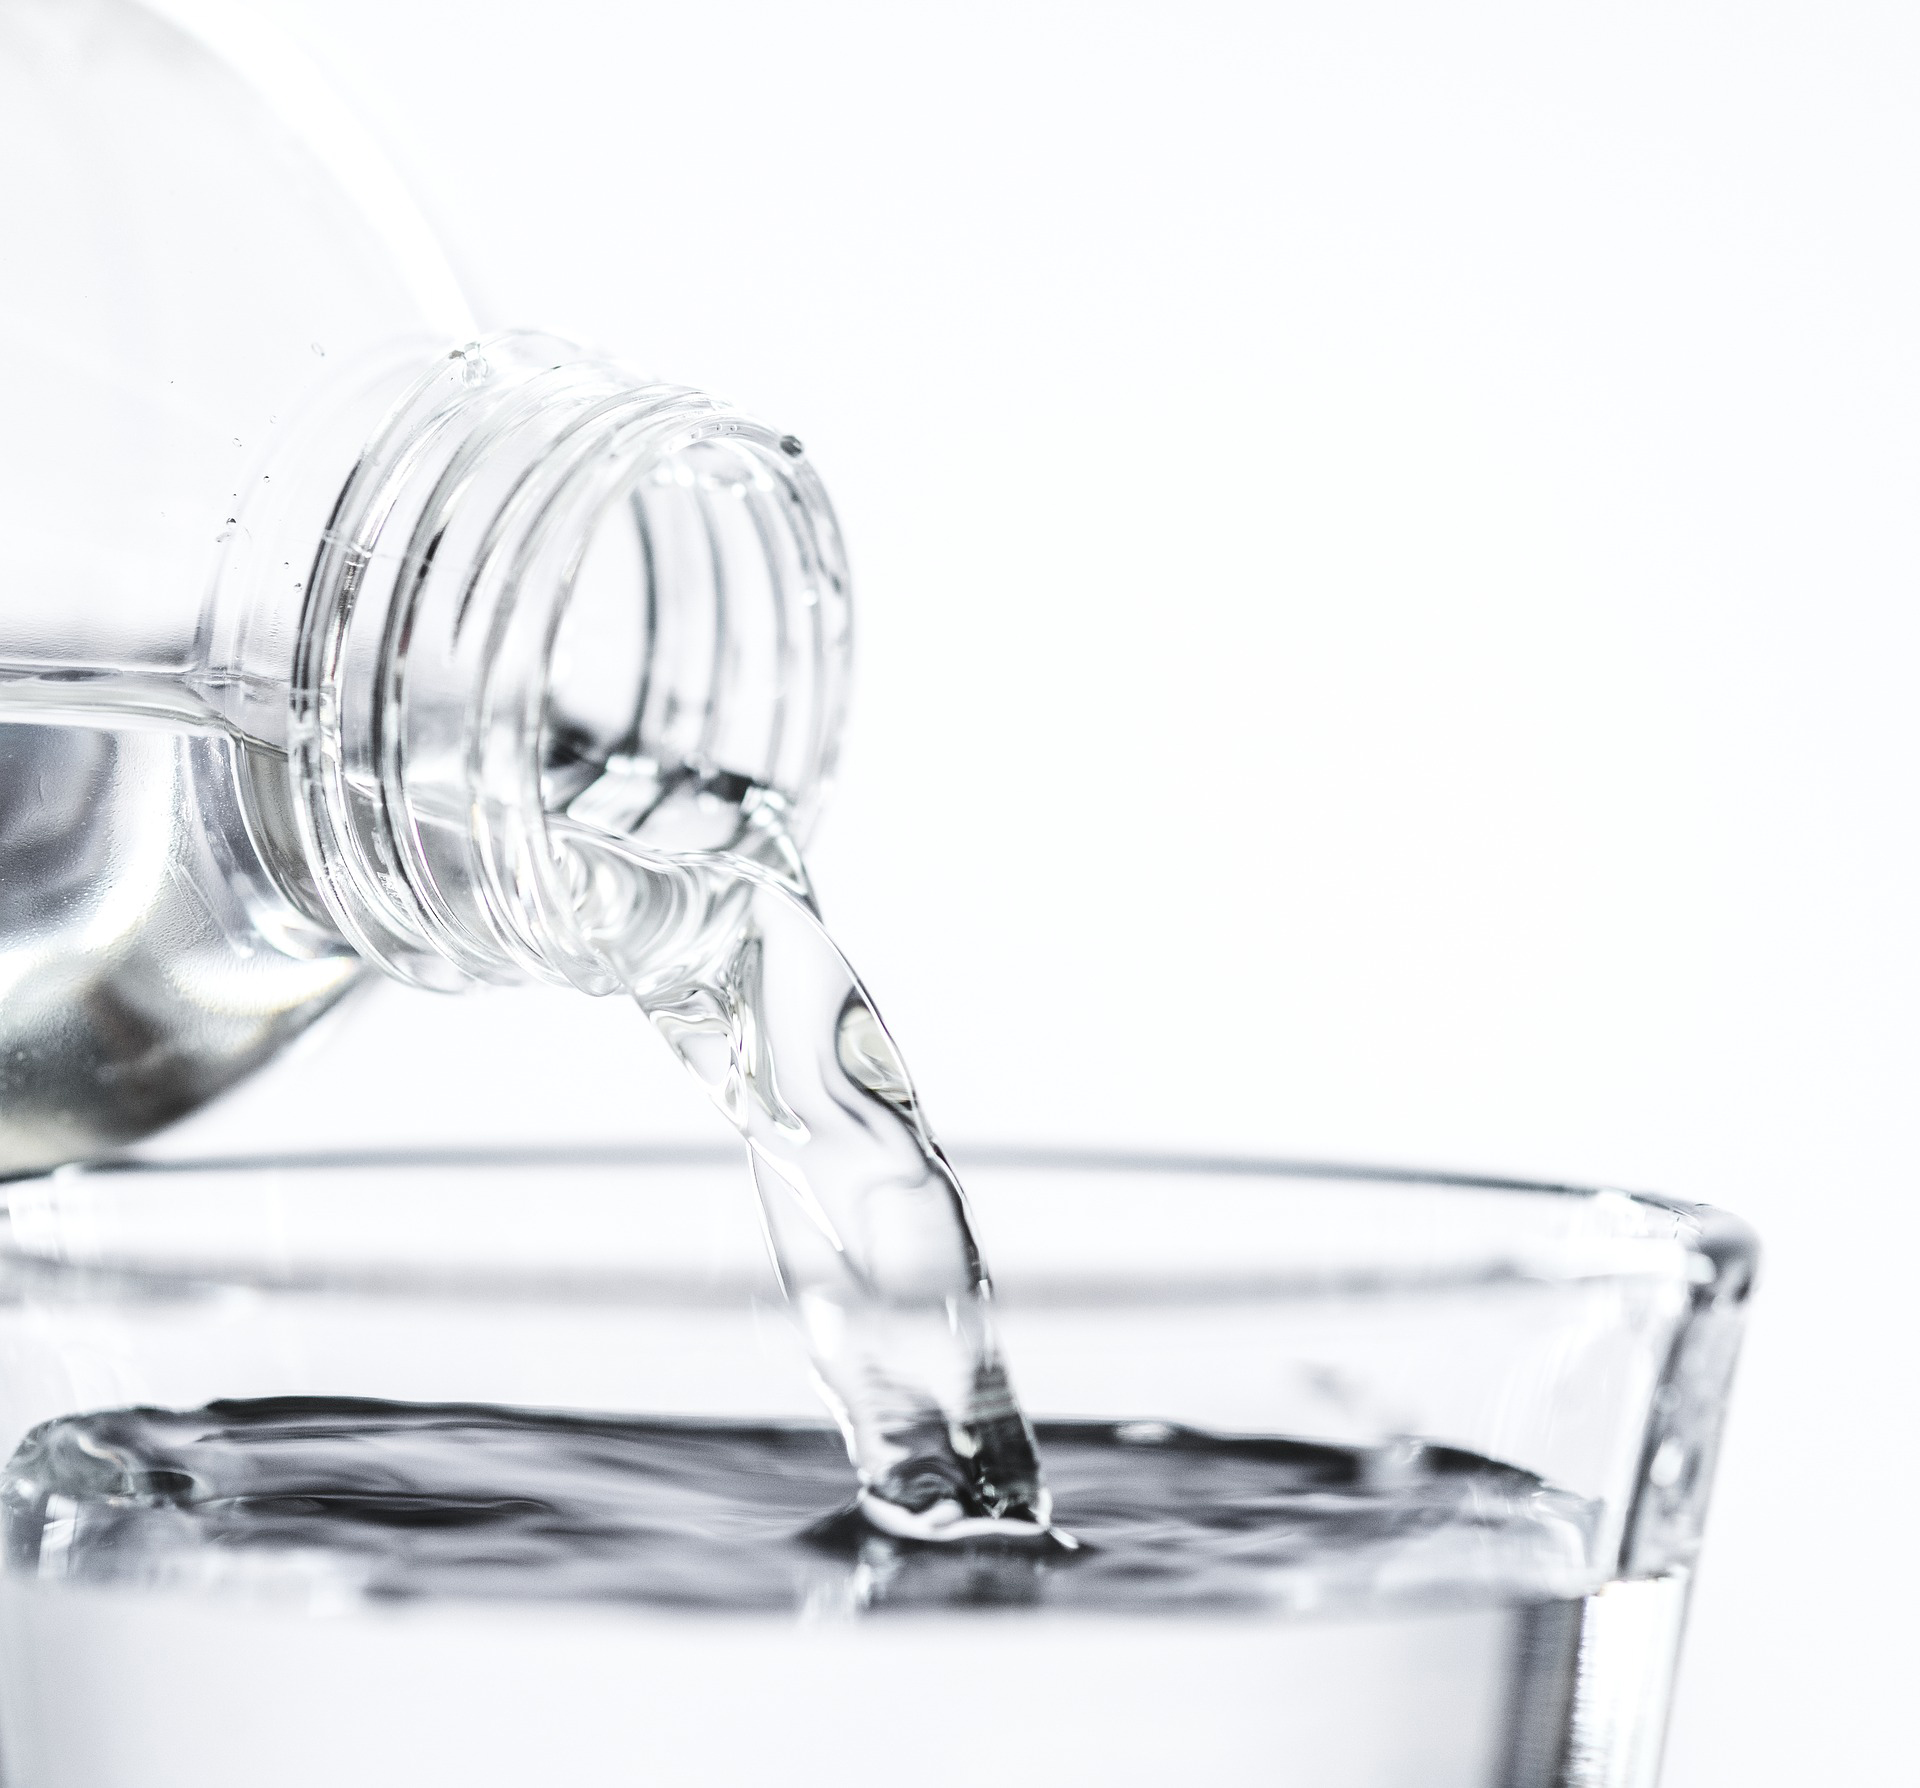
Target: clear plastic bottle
{"x": 317, "y": 605}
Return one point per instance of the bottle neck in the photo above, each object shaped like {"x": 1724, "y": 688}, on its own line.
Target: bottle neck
{"x": 549, "y": 590}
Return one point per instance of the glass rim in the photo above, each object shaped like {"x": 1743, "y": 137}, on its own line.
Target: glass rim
{"x": 1721, "y": 1251}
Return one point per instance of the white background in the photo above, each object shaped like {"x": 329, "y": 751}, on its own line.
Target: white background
{"x": 1386, "y": 541}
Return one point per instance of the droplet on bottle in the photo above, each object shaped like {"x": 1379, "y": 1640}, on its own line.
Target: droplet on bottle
{"x": 792, "y": 446}
{"x": 472, "y": 364}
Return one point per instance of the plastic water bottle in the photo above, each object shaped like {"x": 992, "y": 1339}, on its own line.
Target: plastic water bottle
{"x": 318, "y": 602}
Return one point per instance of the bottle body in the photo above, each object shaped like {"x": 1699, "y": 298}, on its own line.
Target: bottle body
{"x": 185, "y": 270}
{"x": 308, "y": 624}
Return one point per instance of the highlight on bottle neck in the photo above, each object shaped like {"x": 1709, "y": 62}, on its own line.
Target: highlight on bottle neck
{"x": 552, "y": 591}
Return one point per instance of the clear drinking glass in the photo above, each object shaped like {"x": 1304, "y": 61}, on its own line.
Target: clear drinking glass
{"x": 1456, "y": 1438}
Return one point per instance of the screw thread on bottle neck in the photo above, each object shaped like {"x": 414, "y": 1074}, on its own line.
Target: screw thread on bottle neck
{"x": 550, "y": 586}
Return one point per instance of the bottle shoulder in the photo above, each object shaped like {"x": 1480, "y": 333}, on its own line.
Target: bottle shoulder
{"x": 199, "y": 241}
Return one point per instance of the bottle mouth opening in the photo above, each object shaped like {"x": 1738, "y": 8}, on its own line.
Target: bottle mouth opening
{"x": 555, "y": 592}
{"x": 688, "y": 655}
